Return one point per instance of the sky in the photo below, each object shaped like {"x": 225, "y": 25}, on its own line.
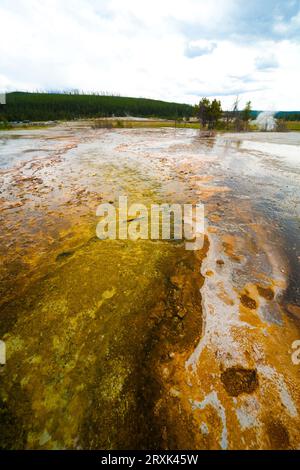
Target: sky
{"x": 174, "y": 50}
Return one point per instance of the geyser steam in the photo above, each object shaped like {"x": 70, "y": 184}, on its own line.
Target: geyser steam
{"x": 265, "y": 121}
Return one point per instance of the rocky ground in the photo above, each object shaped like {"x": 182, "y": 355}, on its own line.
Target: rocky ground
{"x": 121, "y": 344}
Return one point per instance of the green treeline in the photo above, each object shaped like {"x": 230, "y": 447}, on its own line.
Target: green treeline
{"x": 25, "y": 106}
{"x": 22, "y": 106}
{"x": 288, "y": 115}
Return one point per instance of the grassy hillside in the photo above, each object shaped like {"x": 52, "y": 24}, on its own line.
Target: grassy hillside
{"x": 48, "y": 106}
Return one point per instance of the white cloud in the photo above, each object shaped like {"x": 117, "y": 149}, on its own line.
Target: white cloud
{"x": 198, "y": 48}
{"x": 166, "y": 49}
{"x": 266, "y": 62}
{"x": 289, "y": 27}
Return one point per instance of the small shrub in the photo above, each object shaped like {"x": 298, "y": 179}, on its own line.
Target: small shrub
{"x": 281, "y": 126}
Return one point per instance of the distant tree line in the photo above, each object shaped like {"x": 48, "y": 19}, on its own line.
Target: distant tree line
{"x": 21, "y": 106}
{"x": 288, "y": 115}
{"x": 73, "y": 104}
